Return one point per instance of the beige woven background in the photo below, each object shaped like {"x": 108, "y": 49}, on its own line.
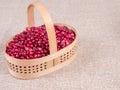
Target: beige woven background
{"x": 97, "y": 66}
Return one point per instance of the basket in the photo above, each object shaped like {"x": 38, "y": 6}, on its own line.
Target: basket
{"x": 28, "y": 69}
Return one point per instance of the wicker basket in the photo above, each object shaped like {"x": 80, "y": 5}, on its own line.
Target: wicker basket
{"x": 27, "y": 69}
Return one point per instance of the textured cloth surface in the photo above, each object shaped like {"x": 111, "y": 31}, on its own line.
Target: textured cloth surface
{"x": 97, "y": 65}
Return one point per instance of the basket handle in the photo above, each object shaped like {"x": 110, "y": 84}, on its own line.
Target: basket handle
{"x": 48, "y": 23}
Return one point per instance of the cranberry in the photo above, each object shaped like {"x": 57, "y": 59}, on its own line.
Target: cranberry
{"x": 33, "y": 42}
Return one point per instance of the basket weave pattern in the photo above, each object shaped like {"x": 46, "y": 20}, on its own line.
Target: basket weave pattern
{"x": 31, "y": 69}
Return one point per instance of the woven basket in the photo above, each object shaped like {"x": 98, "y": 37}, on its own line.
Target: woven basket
{"x": 27, "y": 69}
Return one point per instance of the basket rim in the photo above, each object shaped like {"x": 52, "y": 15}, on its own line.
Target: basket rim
{"x": 48, "y": 57}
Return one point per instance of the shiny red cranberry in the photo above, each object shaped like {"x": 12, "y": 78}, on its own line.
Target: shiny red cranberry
{"x": 33, "y": 42}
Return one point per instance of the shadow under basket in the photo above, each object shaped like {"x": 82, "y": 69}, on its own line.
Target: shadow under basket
{"x": 33, "y": 68}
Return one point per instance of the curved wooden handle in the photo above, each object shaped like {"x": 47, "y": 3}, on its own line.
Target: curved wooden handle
{"x": 48, "y": 24}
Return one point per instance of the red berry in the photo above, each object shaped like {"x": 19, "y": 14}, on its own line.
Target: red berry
{"x": 33, "y": 42}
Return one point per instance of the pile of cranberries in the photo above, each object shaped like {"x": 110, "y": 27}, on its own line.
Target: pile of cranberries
{"x": 33, "y": 42}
